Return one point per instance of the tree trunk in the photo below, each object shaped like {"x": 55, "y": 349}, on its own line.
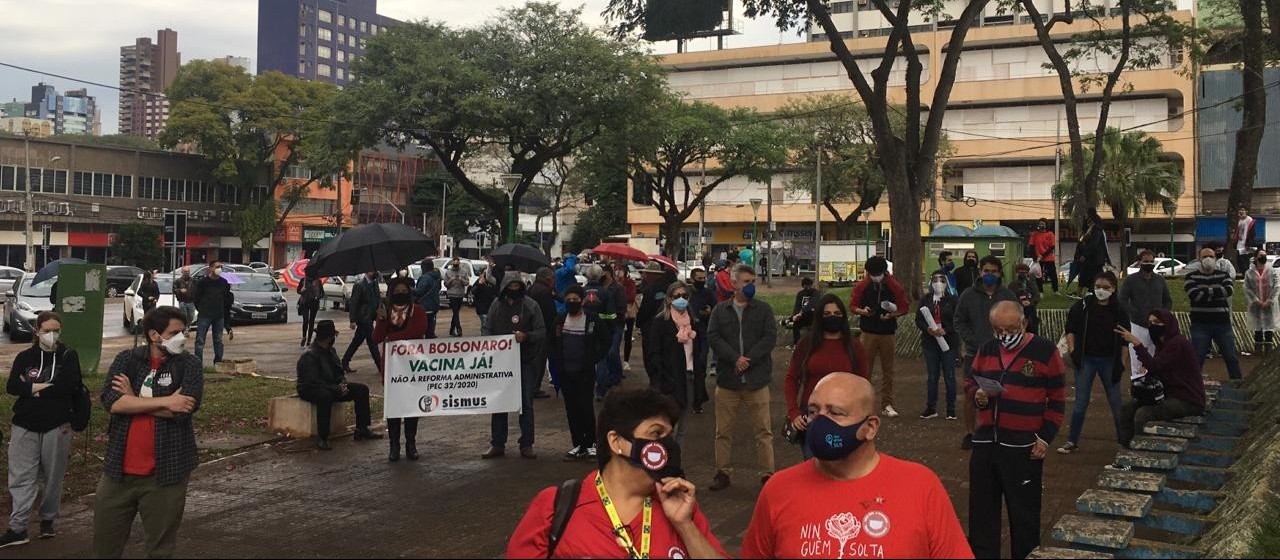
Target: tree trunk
{"x": 1253, "y": 117}
{"x": 904, "y": 218}
{"x": 671, "y": 238}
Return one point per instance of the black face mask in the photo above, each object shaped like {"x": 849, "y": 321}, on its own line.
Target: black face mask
{"x": 658, "y": 457}
{"x": 1157, "y": 332}
{"x": 401, "y": 298}
{"x": 971, "y": 262}
{"x": 1148, "y": 267}
{"x": 699, "y": 285}
{"x": 574, "y": 307}
{"x": 514, "y": 295}
{"x": 834, "y": 323}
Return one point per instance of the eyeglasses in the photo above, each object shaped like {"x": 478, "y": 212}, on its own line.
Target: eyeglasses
{"x": 680, "y": 295}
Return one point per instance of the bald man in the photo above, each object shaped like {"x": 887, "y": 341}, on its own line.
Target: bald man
{"x": 852, "y": 501}
{"x": 1017, "y": 385}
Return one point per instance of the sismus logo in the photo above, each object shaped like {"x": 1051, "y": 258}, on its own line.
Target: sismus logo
{"x": 428, "y": 403}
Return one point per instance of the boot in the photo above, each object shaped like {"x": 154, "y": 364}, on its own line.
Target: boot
{"x": 411, "y": 439}
{"x": 393, "y": 437}
{"x": 411, "y": 450}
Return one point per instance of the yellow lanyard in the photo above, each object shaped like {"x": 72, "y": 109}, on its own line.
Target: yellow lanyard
{"x": 620, "y": 530}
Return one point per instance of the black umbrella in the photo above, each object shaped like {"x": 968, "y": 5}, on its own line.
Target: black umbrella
{"x": 524, "y": 258}
{"x": 51, "y": 270}
{"x": 368, "y": 248}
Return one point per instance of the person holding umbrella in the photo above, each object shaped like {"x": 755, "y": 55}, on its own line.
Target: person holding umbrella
{"x": 362, "y": 309}
{"x": 402, "y": 319}
{"x": 517, "y": 315}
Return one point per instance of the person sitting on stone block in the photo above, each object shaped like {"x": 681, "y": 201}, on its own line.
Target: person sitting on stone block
{"x": 321, "y": 382}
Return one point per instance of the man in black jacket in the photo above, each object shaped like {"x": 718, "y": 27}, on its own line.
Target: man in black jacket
{"x": 702, "y": 299}
{"x": 802, "y": 311}
{"x": 542, "y": 292}
{"x": 362, "y": 309}
{"x": 321, "y": 382}
{"x": 213, "y": 307}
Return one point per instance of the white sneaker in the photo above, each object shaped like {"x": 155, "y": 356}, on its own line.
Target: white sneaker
{"x": 626, "y": 366}
{"x": 591, "y": 452}
{"x": 890, "y": 412}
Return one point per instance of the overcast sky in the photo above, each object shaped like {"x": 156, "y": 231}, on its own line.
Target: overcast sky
{"x": 82, "y": 38}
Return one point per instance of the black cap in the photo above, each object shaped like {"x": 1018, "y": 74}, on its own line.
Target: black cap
{"x": 877, "y": 265}
{"x": 325, "y": 329}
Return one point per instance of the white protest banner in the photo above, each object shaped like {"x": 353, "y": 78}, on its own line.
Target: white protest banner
{"x": 449, "y": 377}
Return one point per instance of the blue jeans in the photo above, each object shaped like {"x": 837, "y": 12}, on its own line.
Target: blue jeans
{"x": 530, "y": 374}
{"x": 202, "y": 328}
{"x": 1201, "y": 337}
{"x": 609, "y": 370}
{"x": 1104, "y": 368}
{"x": 942, "y": 364}
{"x": 188, "y": 309}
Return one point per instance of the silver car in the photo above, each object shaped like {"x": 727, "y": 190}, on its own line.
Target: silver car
{"x": 23, "y": 303}
{"x": 8, "y": 275}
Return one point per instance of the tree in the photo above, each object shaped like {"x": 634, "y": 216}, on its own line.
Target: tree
{"x": 253, "y": 130}
{"x": 535, "y": 83}
{"x": 1253, "y": 115}
{"x": 138, "y": 245}
{"x": 1132, "y": 177}
{"x": 254, "y": 222}
{"x": 665, "y": 146}
{"x": 605, "y": 218}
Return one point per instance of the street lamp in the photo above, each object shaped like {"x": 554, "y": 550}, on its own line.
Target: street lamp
{"x": 866, "y": 221}
{"x": 509, "y": 183}
{"x": 755, "y": 221}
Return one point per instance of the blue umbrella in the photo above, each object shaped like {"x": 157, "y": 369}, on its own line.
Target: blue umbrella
{"x": 51, "y": 270}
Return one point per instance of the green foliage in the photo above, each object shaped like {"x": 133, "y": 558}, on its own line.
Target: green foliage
{"x": 534, "y": 84}
{"x": 606, "y": 218}
{"x": 254, "y": 222}
{"x": 137, "y": 245}
{"x": 1132, "y": 177}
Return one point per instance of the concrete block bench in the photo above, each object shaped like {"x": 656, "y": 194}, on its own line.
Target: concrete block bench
{"x": 1134, "y": 481}
{"x": 295, "y": 418}
{"x": 1053, "y": 552}
{"x": 1093, "y": 532}
{"x": 1118, "y": 504}
{"x": 237, "y": 366}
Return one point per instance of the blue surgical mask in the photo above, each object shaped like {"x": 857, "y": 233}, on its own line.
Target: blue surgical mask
{"x": 749, "y": 291}
{"x": 990, "y": 279}
{"x": 680, "y": 304}
{"x": 830, "y": 441}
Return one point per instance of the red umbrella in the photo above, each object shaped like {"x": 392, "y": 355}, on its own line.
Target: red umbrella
{"x": 620, "y": 251}
{"x": 295, "y": 272}
{"x": 664, "y": 261}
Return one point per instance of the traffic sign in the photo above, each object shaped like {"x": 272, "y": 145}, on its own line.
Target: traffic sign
{"x": 175, "y": 228}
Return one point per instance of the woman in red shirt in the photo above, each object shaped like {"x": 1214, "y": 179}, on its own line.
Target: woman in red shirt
{"x": 637, "y": 505}
{"x": 400, "y": 318}
{"x": 829, "y": 348}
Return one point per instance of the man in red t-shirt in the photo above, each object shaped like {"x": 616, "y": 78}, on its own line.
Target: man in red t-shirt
{"x": 852, "y": 501}
{"x": 1043, "y": 245}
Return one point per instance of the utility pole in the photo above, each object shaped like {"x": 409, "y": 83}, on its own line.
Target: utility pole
{"x": 768, "y": 235}
{"x": 1057, "y": 202}
{"x": 702, "y": 213}
{"x": 30, "y": 264}
{"x": 817, "y": 223}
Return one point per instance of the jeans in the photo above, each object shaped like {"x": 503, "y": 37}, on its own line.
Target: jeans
{"x": 1104, "y": 368}
{"x": 35, "y": 455}
{"x": 202, "y": 328}
{"x": 942, "y": 364}
{"x": 609, "y": 370}
{"x": 1204, "y": 334}
{"x": 188, "y": 309}
{"x": 364, "y": 333}
{"x": 323, "y": 399}
{"x": 455, "y": 327}
{"x": 529, "y": 376}
{"x": 118, "y": 502}
{"x": 1134, "y": 416}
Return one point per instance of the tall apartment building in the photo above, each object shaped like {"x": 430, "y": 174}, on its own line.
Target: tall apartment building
{"x": 146, "y": 69}
{"x": 316, "y": 39}
{"x": 50, "y": 112}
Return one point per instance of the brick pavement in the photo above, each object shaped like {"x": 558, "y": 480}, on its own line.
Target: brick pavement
{"x": 291, "y": 501}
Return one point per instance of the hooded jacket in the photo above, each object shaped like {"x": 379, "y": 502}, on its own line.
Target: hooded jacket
{"x": 523, "y": 315}
{"x": 427, "y": 290}
{"x": 1174, "y": 363}
{"x": 566, "y": 276}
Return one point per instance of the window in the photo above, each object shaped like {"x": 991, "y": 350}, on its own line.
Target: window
{"x": 364, "y": 27}
{"x": 342, "y": 20}
{"x": 123, "y": 186}
{"x": 351, "y": 22}
{"x": 373, "y": 30}
{"x": 342, "y": 74}
{"x": 302, "y": 30}
{"x": 8, "y": 178}
{"x": 302, "y": 67}
{"x": 841, "y": 7}
{"x": 144, "y": 187}
{"x": 351, "y": 41}
{"x": 351, "y": 75}
{"x": 340, "y": 56}
{"x": 101, "y": 184}
{"x": 302, "y": 49}
{"x": 326, "y": 34}
{"x": 297, "y": 172}
{"x": 342, "y": 38}
{"x": 323, "y": 52}
{"x": 82, "y": 183}
{"x": 323, "y": 70}
{"x": 325, "y": 16}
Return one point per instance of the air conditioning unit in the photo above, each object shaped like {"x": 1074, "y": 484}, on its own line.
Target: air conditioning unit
{"x": 210, "y": 214}
{"x": 94, "y": 208}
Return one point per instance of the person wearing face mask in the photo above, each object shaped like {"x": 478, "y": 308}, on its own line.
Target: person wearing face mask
{"x": 399, "y": 318}
{"x": 637, "y": 505}
{"x": 879, "y": 300}
{"x": 515, "y": 314}
{"x": 427, "y": 291}
{"x": 1044, "y": 245}
{"x": 743, "y": 332}
{"x": 1224, "y": 263}
{"x": 148, "y": 291}
{"x": 542, "y": 292}
{"x": 672, "y": 345}
{"x": 362, "y": 311}
{"x": 702, "y": 299}
{"x": 803, "y": 310}
{"x": 941, "y": 305}
{"x": 1096, "y": 351}
{"x": 852, "y": 496}
{"x": 1140, "y": 294}
{"x": 947, "y": 267}
{"x": 184, "y": 293}
{"x": 321, "y": 382}
{"x": 630, "y": 291}
{"x": 1092, "y": 250}
{"x": 1175, "y": 366}
{"x": 970, "y": 273}
{"x": 152, "y": 393}
{"x": 213, "y": 306}
{"x": 830, "y": 347}
{"x": 1263, "y": 295}
{"x": 1028, "y": 292}
{"x": 1243, "y": 237}
{"x": 973, "y": 324}
{"x": 1017, "y": 385}
{"x": 455, "y": 284}
{"x": 578, "y": 341}
{"x": 45, "y": 378}
{"x": 1210, "y": 291}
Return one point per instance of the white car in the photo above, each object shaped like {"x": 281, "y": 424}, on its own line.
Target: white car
{"x": 8, "y": 276}
{"x": 1165, "y": 266}
{"x": 132, "y": 304}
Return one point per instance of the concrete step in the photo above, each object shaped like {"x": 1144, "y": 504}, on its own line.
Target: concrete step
{"x": 1159, "y": 443}
{"x": 1203, "y": 458}
{"x": 1234, "y": 393}
{"x": 1196, "y": 420}
{"x": 1208, "y": 478}
{"x": 1224, "y": 428}
{"x": 1189, "y": 524}
{"x": 1170, "y": 429}
{"x": 1093, "y": 531}
{"x": 1231, "y": 404}
{"x": 1230, "y": 416}
{"x": 1145, "y": 549}
{"x": 1115, "y": 503}
{"x": 1215, "y": 443}
{"x": 1147, "y": 460}
{"x": 1201, "y": 501}
{"x": 1134, "y": 481}
{"x": 1053, "y": 552}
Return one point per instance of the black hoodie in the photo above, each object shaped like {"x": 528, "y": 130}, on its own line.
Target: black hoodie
{"x": 53, "y": 407}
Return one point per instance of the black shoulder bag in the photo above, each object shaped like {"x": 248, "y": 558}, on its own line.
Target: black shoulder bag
{"x": 566, "y": 502}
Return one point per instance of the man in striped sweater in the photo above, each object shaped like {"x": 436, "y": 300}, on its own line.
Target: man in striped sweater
{"x": 1210, "y": 288}
{"x": 1017, "y": 384}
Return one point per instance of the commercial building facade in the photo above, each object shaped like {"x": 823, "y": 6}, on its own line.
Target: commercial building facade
{"x": 75, "y": 112}
{"x": 316, "y": 39}
{"x": 146, "y": 69}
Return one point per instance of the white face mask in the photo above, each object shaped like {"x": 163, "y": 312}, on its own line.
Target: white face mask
{"x": 176, "y": 344}
{"x": 49, "y": 340}
{"x": 1102, "y": 294}
{"x": 1010, "y": 340}
{"x": 1208, "y": 263}
{"x": 939, "y": 288}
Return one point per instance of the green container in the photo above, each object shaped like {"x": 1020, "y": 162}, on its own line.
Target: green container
{"x": 986, "y": 240}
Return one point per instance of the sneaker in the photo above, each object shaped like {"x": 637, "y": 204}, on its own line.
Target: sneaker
{"x": 626, "y": 366}
{"x": 966, "y": 443}
{"x": 951, "y": 415}
{"x": 575, "y": 454}
{"x": 1068, "y": 448}
{"x": 493, "y": 453}
{"x": 890, "y": 412}
{"x": 364, "y": 434}
{"x": 929, "y": 413}
{"x": 11, "y": 538}
{"x": 720, "y": 482}
{"x": 323, "y": 445}
{"x": 591, "y": 452}
{"x": 46, "y": 530}
{"x": 1116, "y": 467}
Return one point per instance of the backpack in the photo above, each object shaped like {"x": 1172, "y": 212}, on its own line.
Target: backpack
{"x": 566, "y": 502}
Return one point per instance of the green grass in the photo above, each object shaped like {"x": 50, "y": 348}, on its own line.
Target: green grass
{"x": 1266, "y": 542}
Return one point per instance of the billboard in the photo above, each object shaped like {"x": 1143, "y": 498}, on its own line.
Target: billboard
{"x": 680, "y": 19}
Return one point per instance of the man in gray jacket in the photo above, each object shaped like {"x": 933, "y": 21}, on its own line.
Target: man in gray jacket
{"x": 1140, "y": 294}
{"x": 973, "y": 323}
{"x": 455, "y": 283}
{"x": 513, "y": 313}
{"x": 742, "y": 332}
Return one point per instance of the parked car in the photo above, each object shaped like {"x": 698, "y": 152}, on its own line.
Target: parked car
{"x": 335, "y": 291}
{"x": 132, "y": 304}
{"x": 258, "y": 299}
{"x": 119, "y": 278}
{"x": 260, "y": 267}
{"x": 350, "y": 282}
{"x": 198, "y": 270}
{"x": 1165, "y": 266}
{"x": 8, "y": 275}
{"x": 23, "y": 303}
